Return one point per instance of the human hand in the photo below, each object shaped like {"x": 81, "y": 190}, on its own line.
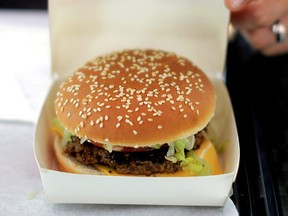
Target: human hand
{"x": 255, "y": 20}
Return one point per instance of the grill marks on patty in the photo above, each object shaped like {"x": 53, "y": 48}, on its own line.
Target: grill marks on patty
{"x": 136, "y": 163}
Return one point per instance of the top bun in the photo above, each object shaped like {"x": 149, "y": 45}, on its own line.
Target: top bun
{"x": 136, "y": 98}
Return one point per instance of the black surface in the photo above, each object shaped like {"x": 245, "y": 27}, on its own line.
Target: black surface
{"x": 258, "y": 88}
{"x": 23, "y": 4}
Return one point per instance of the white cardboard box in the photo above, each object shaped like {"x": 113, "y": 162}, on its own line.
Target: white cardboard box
{"x": 196, "y": 29}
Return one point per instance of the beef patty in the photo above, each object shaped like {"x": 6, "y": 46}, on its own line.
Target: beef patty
{"x": 137, "y": 163}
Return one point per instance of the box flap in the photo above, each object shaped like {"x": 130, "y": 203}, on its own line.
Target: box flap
{"x": 81, "y": 30}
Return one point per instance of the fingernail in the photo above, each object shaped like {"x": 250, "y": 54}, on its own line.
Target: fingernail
{"x": 235, "y": 4}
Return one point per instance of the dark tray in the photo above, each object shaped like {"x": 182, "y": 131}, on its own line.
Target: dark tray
{"x": 258, "y": 87}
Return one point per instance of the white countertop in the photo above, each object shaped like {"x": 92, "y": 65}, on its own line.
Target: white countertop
{"x": 25, "y": 72}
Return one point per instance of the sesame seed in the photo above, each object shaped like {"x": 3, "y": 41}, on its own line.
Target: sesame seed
{"x": 82, "y": 124}
{"x": 92, "y": 123}
{"x": 118, "y": 125}
{"x": 101, "y": 125}
{"x": 129, "y": 122}
{"x": 180, "y": 98}
{"x": 106, "y": 140}
{"x": 135, "y": 132}
{"x": 150, "y": 119}
{"x": 69, "y": 114}
{"x": 159, "y": 126}
{"x": 185, "y": 116}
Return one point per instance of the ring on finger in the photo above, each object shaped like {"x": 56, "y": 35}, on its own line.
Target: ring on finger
{"x": 280, "y": 31}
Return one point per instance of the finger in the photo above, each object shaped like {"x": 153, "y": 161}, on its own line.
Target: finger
{"x": 259, "y": 38}
{"x": 264, "y": 40}
{"x": 277, "y": 49}
{"x": 235, "y": 5}
{"x": 260, "y": 13}
{"x": 263, "y": 37}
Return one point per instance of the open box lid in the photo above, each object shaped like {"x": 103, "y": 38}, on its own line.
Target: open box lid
{"x": 82, "y": 30}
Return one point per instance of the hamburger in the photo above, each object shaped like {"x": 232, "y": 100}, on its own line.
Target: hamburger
{"x": 138, "y": 112}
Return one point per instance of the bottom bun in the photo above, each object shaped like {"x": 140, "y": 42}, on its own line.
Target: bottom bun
{"x": 65, "y": 163}
{"x": 69, "y": 164}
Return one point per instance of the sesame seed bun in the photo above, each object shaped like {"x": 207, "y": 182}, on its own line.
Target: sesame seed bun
{"x": 136, "y": 98}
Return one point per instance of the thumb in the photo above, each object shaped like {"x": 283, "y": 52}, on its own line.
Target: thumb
{"x": 235, "y": 5}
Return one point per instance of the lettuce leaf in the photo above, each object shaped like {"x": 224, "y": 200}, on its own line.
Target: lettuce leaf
{"x": 156, "y": 146}
{"x": 193, "y": 163}
{"x": 108, "y": 147}
{"x": 57, "y": 126}
{"x": 176, "y": 151}
{"x": 188, "y": 161}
